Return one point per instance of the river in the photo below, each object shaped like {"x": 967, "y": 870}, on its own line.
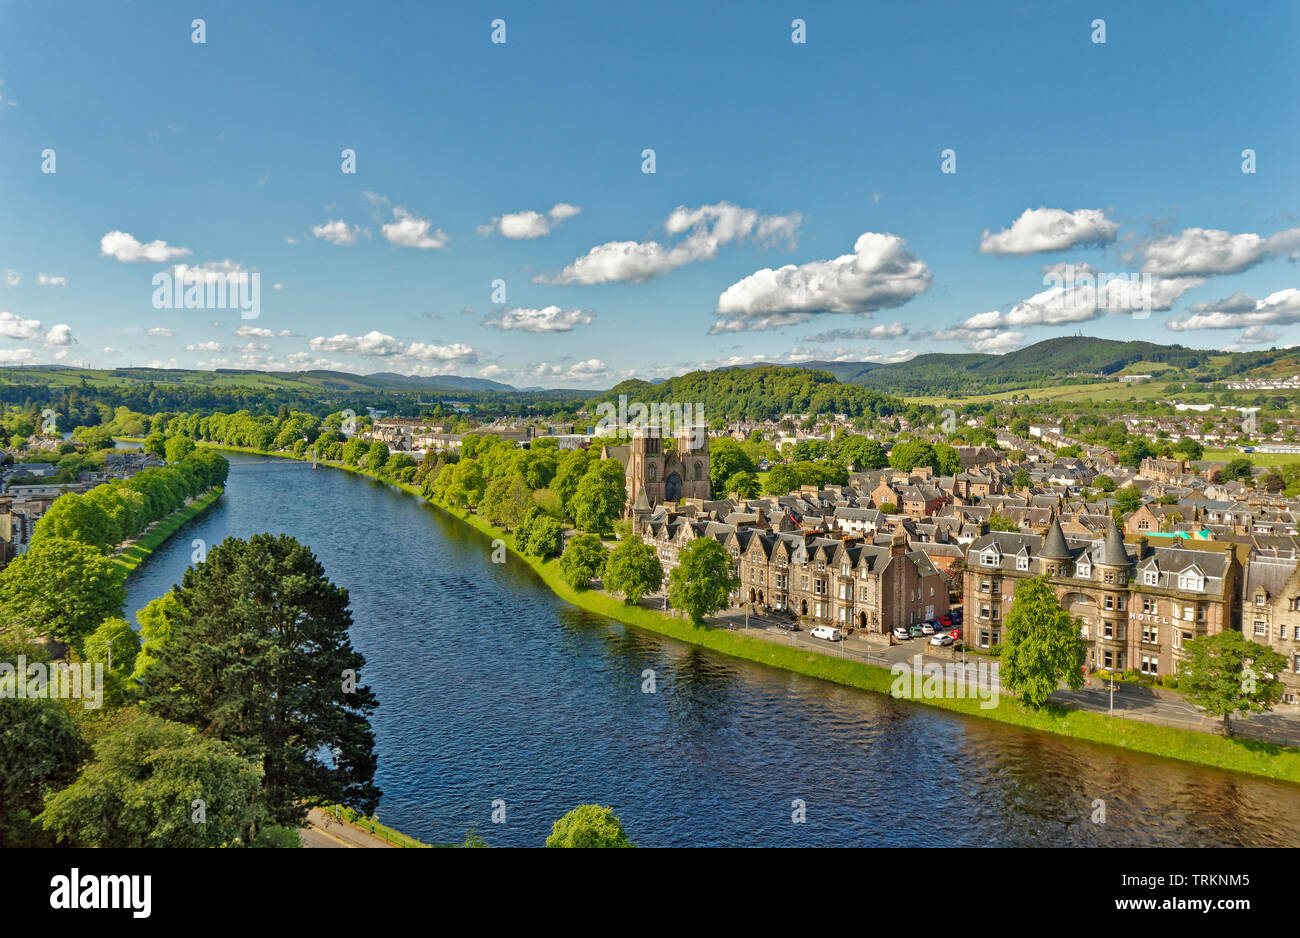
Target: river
{"x": 492, "y": 690}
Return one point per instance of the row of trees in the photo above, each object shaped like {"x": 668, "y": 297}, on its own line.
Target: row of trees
{"x": 113, "y": 512}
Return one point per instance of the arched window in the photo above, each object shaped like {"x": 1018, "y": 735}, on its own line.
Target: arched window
{"x": 651, "y": 472}
{"x": 699, "y": 471}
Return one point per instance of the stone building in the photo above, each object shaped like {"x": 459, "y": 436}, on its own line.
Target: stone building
{"x": 1270, "y": 610}
{"x": 664, "y": 476}
{"x": 1138, "y": 604}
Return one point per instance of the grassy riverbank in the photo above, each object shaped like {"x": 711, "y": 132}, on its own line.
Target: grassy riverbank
{"x": 1238, "y": 755}
{"x": 135, "y": 555}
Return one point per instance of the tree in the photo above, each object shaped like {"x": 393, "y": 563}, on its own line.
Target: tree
{"x": 584, "y": 560}
{"x": 947, "y": 461}
{"x": 545, "y": 537}
{"x": 907, "y": 456}
{"x": 1104, "y": 483}
{"x": 260, "y": 656}
{"x": 148, "y": 783}
{"x": 588, "y": 825}
{"x": 77, "y": 518}
{"x": 40, "y": 749}
{"x": 1128, "y": 499}
{"x": 744, "y": 484}
{"x": 1041, "y": 644}
{"x": 377, "y": 456}
{"x": 61, "y": 588}
{"x": 156, "y": 444}
{"x": 114, "y": 639}
{"x": 1240, "y": 469}
{"x": 727, "y": 458}
{"x": 1134, "y": 451}
{"x": 1227, "y": 673}
{"x": 1000, "y": 522}
{"x": 862, "y": 454}
{"x": 156, "y": 621}
{"x": 570, "y": 468}
{"x": 634, "y": 570}
{"x": 601, "y": 496}
{"x": 516, "y": 502}
{"x": 781, "y": 480}
{"x": 702, "y": 581}
{"x": 1021, "y": 480}
{"x": 177, "y": 448}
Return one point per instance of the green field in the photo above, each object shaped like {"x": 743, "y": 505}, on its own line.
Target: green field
{"x": 1258, "y": 459}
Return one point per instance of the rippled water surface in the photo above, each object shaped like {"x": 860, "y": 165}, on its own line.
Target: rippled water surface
{"x": 491, "y": 688}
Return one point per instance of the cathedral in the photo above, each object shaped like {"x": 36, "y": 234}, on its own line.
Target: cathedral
{"x": 664, "y": 476}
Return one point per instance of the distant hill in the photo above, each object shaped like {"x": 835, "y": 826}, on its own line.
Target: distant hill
{"x": 440, "y": 381}
{"x": 1061, "y": 360}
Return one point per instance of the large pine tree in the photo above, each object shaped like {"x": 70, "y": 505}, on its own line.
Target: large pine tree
{"x": 261, "y": 658}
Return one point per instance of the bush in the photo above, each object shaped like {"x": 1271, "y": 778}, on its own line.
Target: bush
{"x": 996, "y": 650}
{"x": 1168, "y": 680}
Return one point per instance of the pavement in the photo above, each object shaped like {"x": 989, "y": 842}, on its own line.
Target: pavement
{"x": 325, "y": 830}
{"x": 1130, "y": 701}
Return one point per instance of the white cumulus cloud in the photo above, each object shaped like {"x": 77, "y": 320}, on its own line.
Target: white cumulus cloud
{"x": 128, "y": 250}
{"x": 548, "y": 319}
{"x": 1050, "y": 229}
{"x": 879, "y": 274}
{"x": 704, "y": 230}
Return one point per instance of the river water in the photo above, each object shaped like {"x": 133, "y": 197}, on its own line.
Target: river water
{"x": 492, "y": 691}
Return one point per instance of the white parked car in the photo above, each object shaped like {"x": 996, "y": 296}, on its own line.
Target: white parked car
{"x": 943, "y": 638}
{"x": 901, "y": 634}
{"x": 828, "y": 632}
{"x": 927, "y": 628}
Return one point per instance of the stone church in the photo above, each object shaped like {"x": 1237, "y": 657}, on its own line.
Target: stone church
{"x": 664, "y": 476}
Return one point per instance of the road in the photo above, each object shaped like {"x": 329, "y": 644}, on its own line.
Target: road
{"x": 324, "y": 830}
{"x": 1131, "y": 701}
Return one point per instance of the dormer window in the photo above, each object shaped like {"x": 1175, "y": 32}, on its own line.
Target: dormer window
{"x": 1259, "y": 599}
{"x": 1151, "y": 577}
{"x": 1191, "y": 581}
{"x": 989, "y": 558}
{"x": 1022, "y": 562}
{"x": 1083, "y": 570}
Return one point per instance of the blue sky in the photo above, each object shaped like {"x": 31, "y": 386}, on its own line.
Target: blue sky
{"x": 798, "y": 209}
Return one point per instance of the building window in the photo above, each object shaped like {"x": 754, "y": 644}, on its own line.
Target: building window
{"x": 1149, "y": 607}
{"x": 1110, "y": 576}
{"x": 1191, "y": 582}
{"x": 1259, "y": 599}
{"x": 1261, "y": 628}
{"x": 1149, "y": 665}
{"x": 1083, "y": 570}
{"x": 1151, "y": 577}
{"x": 989, "y": 558}
{"x": 1109, "y": 602}
{"x": 1150, "y": 635}
{"x": 1022, "y": 563}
